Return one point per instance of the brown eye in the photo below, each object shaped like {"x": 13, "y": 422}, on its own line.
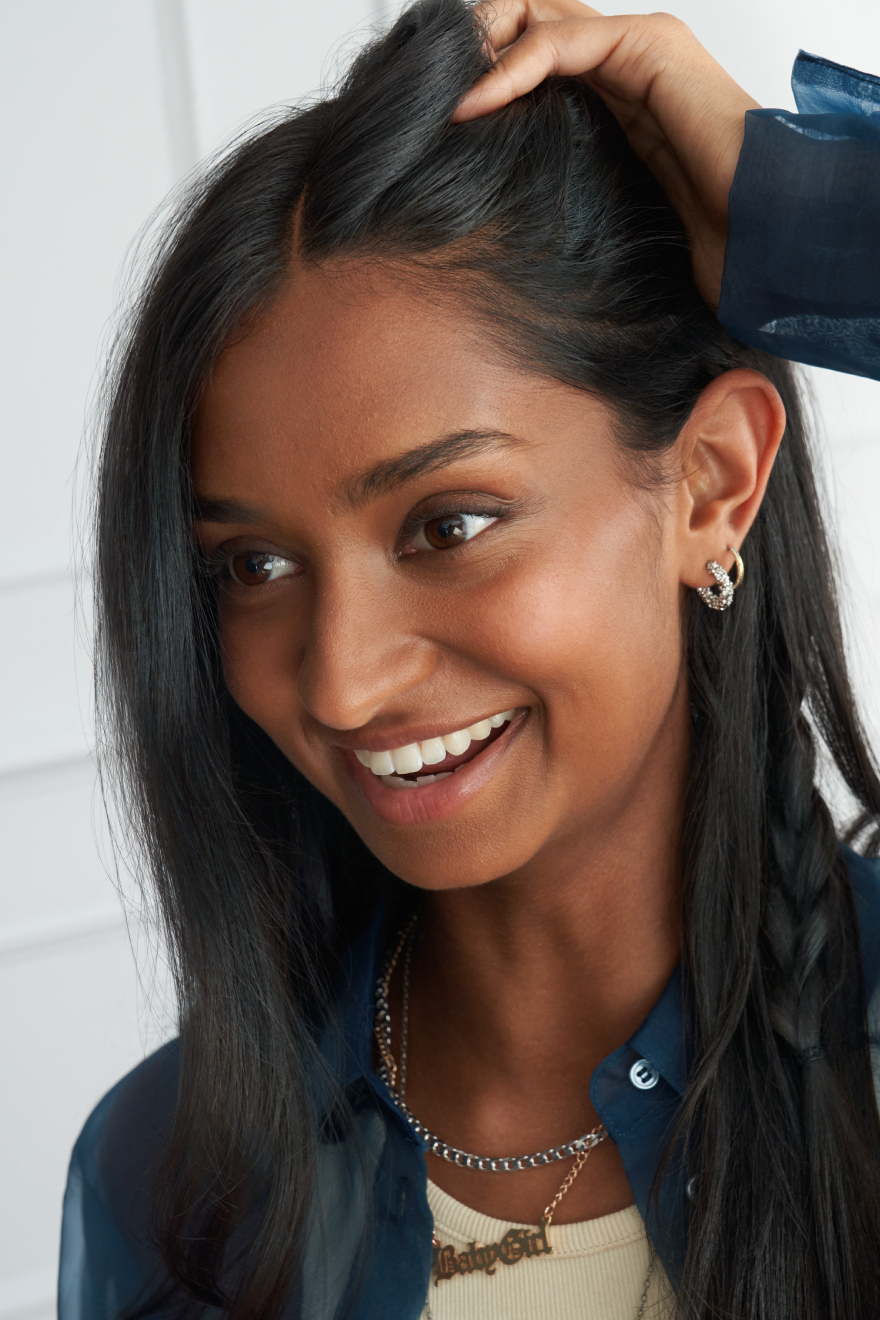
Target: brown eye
{"x": 253, "y": 569}
{"x": 451, "y": 530}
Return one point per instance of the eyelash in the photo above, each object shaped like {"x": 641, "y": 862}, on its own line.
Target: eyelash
{"x": 219, "y": 561}
{"x": 414, "y": 526}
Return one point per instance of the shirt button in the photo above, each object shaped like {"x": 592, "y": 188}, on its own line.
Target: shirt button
{"x": 643, "y": 1075}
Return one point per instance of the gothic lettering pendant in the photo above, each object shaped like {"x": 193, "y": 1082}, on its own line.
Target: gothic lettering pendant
{"x": 516, "y": 1245}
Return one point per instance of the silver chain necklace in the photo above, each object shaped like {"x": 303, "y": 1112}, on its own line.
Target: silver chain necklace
{"x": 388, "y": 1071}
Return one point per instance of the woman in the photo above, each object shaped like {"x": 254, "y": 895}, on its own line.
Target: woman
{"x": 478, "y": 784}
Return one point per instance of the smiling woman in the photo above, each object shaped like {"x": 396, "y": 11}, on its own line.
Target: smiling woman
{"x": 422, "y": 460}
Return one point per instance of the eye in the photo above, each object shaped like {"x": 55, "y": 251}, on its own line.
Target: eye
{"x": 450, "y": 530}
{"x": 254, "y": 568}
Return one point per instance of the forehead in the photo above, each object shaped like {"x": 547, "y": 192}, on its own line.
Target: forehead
{"x": 353, "y": 366}
{"x": 344, "y": 365}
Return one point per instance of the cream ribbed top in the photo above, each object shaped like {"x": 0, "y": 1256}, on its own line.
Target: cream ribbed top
{"x": 597, "y": 1268}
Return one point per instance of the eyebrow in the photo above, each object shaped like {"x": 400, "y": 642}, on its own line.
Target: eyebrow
{"x": 206, "y": 509}
{"x": 391, "y": 473}
{"x": 378, "y": 480}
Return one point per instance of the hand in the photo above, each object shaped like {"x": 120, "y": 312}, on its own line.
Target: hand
{"x": 683, "y": 115}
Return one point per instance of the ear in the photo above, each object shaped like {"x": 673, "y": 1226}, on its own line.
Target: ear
{"x": 727, "y": 448}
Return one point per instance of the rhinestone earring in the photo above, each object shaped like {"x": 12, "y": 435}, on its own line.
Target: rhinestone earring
{"x": 721, "y": 597}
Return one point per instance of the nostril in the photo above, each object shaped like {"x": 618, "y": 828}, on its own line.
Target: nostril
{"x": 345, "y": 684}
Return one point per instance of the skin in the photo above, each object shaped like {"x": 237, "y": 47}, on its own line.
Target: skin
{"x": 683, "y": 115}
{"x": 552, "y": 918}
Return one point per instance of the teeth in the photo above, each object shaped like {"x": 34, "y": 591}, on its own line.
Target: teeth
{"x": 381, "y": 763}
{"x": 456, "y": 743}
{"x": 480, "y": 730}
{"x": 393, "y": 781}
{"x": 433, "y": 751}
{"x": 408, "y": 760}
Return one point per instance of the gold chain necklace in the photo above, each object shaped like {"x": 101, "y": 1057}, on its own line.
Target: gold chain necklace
{"x": 518, "y": 1243}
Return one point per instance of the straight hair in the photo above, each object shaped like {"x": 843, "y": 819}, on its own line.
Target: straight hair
{"x": 541, "y": 221}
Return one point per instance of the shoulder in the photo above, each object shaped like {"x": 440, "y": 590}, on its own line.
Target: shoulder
{"x": 124, "y": 1135}
{"x": 864, "y": 874}
{"x": 106, "y": 1256}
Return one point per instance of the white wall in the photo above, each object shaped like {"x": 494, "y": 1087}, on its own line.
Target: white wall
{"x": 104, "y": 107}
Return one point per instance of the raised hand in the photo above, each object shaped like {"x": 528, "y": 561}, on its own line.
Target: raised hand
{"x": 683, "y": 115}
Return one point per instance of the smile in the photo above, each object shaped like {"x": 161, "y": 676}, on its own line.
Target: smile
{"x": 400, "y": 767}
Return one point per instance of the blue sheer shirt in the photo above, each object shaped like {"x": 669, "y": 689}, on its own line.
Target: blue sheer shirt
{"x": 368, "y": 1249}
{"x": 802, "y": 264}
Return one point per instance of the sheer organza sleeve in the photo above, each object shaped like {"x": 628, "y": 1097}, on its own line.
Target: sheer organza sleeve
{"x": 802, "y": 267}
{"x": 107, "y": 1260}
{"x": 98, "y": 1274}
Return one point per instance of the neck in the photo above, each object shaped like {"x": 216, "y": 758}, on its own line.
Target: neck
{"x": 520, "y": 987}
{"x": 579, "y": 945}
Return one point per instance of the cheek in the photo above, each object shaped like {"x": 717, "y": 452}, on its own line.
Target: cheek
{"x": 596, "y": 635}
{"x": 259, "y": 664}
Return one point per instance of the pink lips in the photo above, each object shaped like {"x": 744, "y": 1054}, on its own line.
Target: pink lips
{"x": 414, "y": 806}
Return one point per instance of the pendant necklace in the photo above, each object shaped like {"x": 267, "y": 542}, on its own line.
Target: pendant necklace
{"x": 518, "y": 1243}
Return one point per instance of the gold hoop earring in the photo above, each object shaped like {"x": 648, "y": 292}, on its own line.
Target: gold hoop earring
{"x": 721, "y": 597}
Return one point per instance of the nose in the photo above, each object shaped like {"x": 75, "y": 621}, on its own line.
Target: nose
{"x": 363, "y": 650}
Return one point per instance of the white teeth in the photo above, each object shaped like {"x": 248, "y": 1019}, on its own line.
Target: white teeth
{"x": 480, "y": 730}
{"x": 407, "y": 760}
{"x": 381, "y": 763}
{"x": 394, "y": 781}
{"x": 433, "y": 751}
{"x": 458, "y": 742}
{"x": 502, "y": 718}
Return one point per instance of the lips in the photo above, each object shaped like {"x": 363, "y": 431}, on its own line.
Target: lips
{"x": 450, "y": 763}
{"x": 460, "y": 778}
{"x": 411, "y": 757}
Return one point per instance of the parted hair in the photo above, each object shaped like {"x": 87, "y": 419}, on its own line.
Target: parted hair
{"x": 543, "y": 221}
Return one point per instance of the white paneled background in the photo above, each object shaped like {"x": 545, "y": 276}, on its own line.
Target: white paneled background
{"x": 105, "y": 107}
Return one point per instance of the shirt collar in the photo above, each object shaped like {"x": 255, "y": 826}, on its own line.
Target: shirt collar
{"x": 659, "y": 1038}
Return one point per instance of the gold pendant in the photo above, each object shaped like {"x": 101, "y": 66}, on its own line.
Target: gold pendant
{"x": 516, "y": 1245}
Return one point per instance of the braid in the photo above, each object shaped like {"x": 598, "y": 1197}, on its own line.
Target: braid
{"x": 780, "y": 1123}
{"x": 815, "y": 1002}
{"x": 803, "y": 907}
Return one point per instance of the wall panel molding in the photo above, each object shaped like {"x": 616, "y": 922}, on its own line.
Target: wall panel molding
{"x": 177, "y": 86}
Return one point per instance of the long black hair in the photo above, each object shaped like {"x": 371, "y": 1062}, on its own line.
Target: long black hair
{"x": 543, "y": 221}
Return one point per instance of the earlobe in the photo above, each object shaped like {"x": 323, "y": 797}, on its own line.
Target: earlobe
{"x": 728, "y": 447}
{"x": 721, "y": 597}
